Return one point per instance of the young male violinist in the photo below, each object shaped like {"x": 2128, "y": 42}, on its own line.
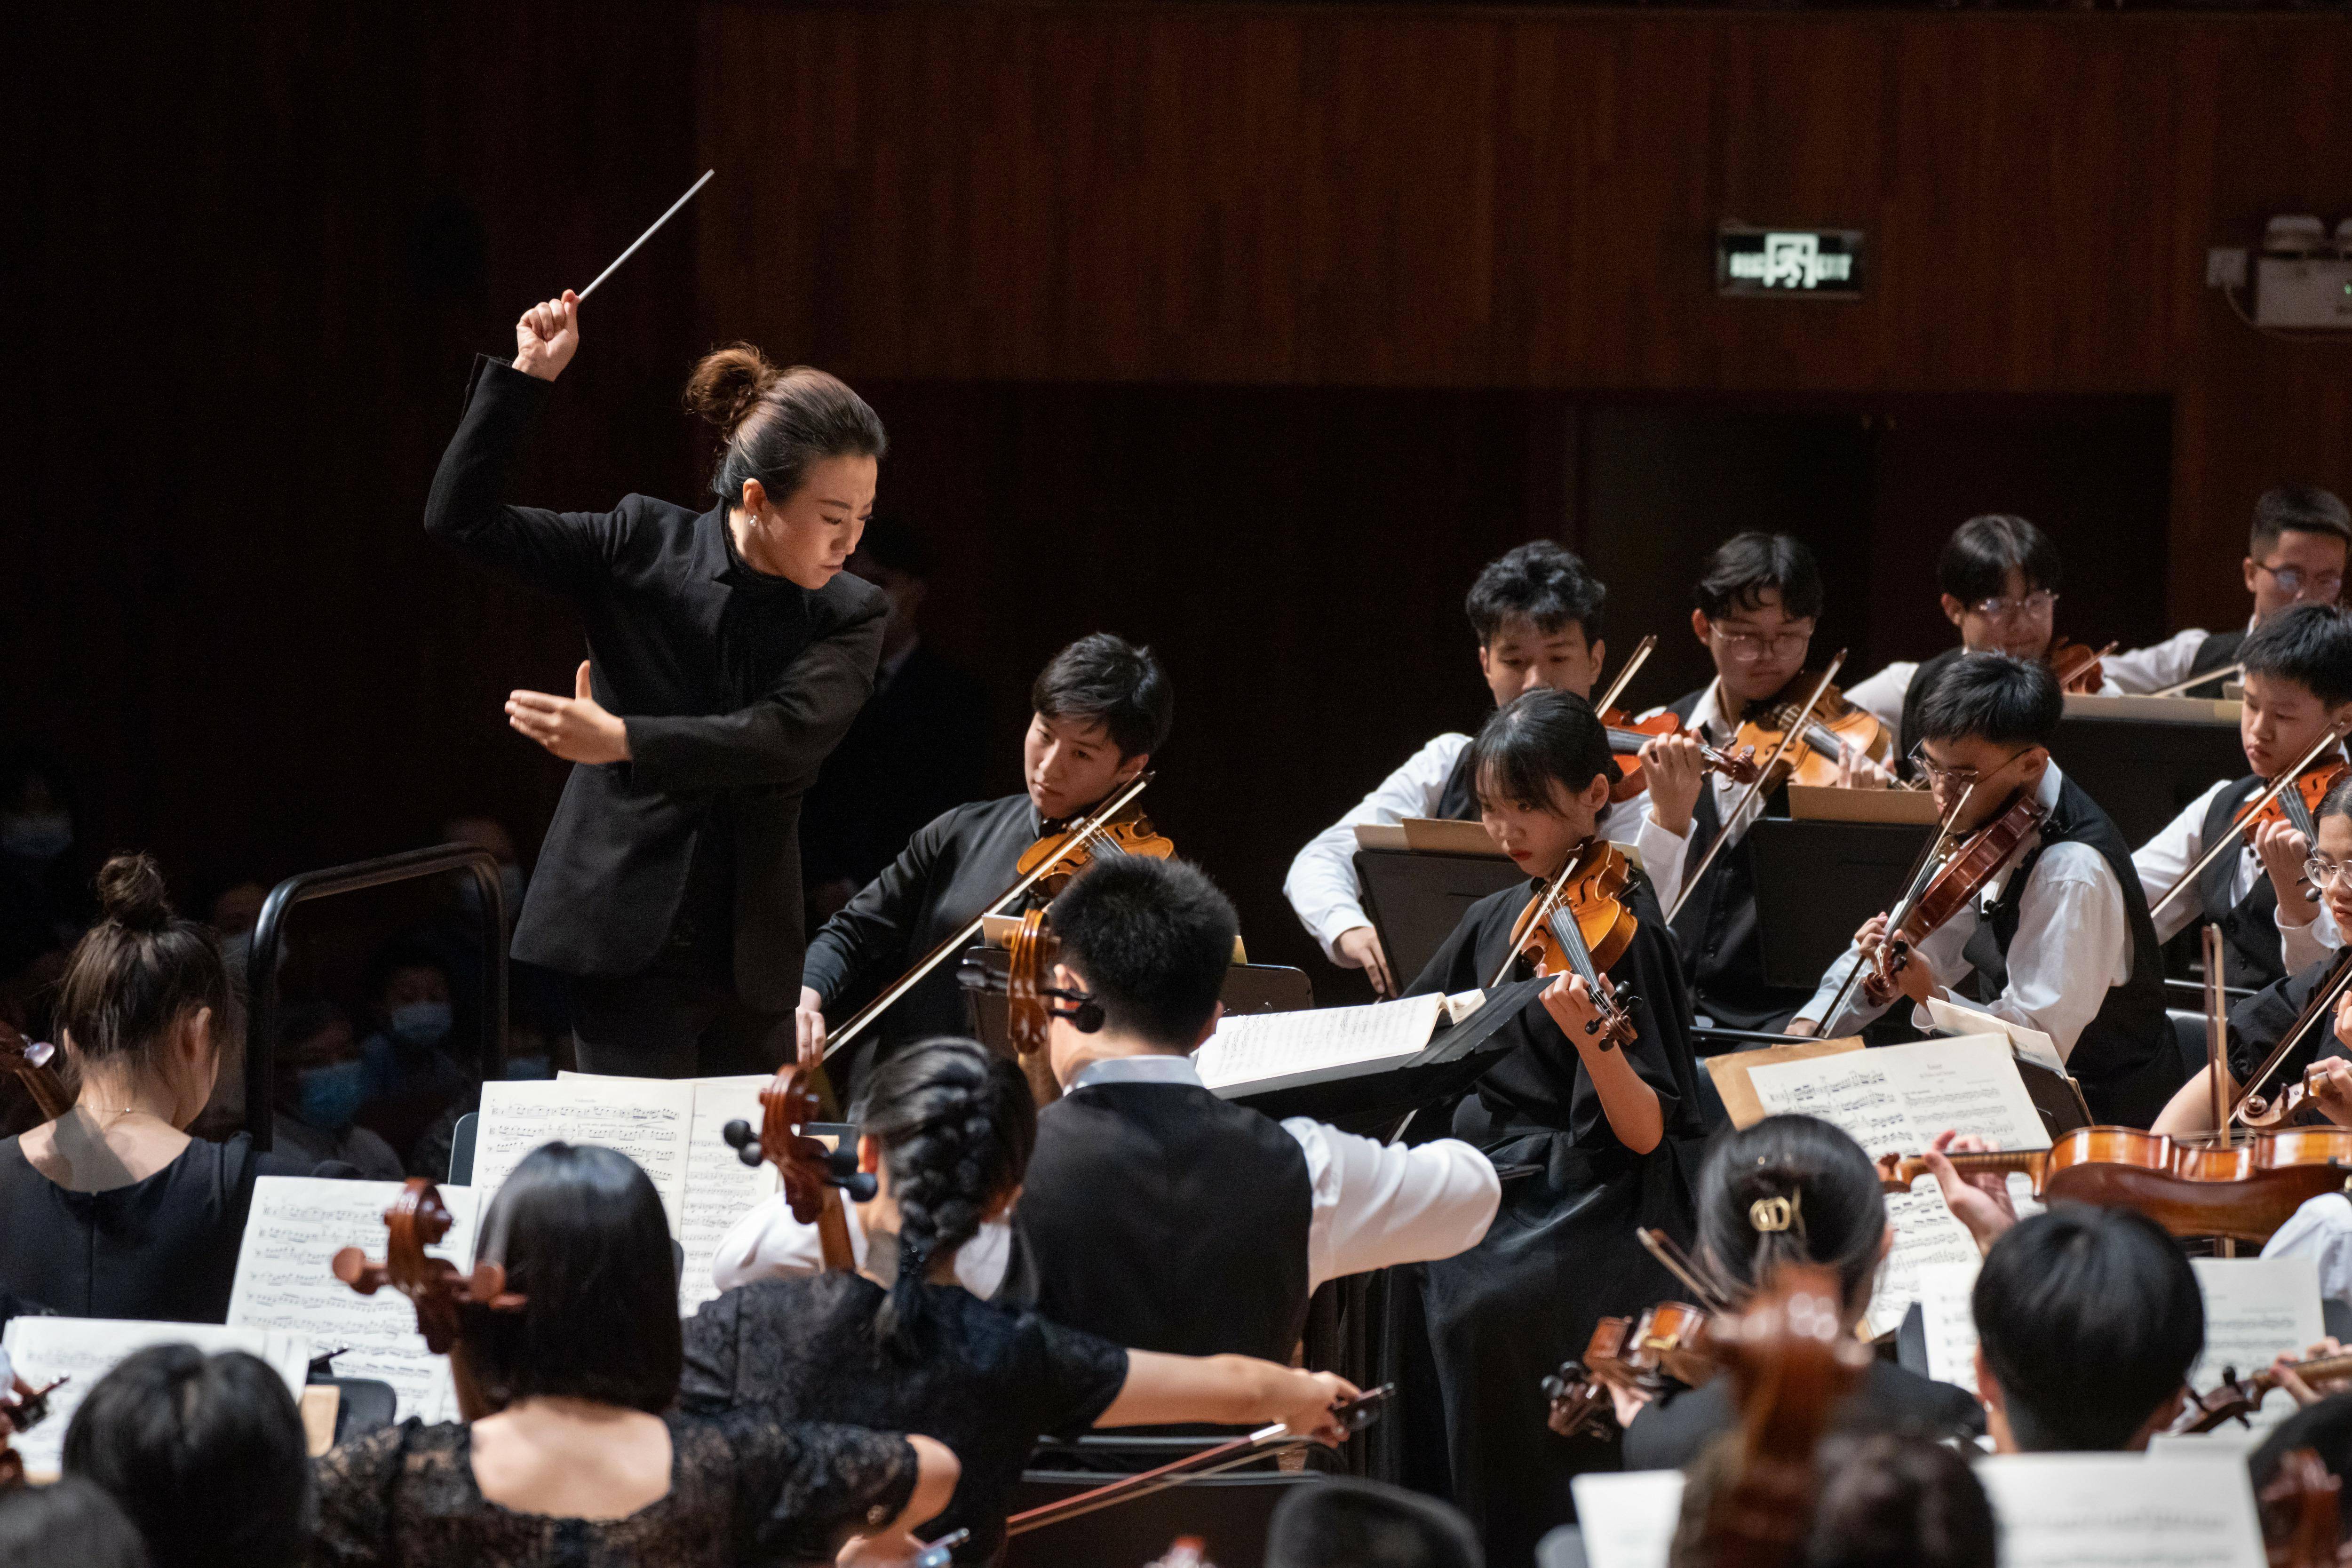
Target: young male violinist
{"x": 2298, "y": 687}
{"x": 1100, "y": 709}
{"x": 2295, "y": 555}
{"x": 2000, "y": 577}
{"x": 2056, "y": 935}
{"x": 1537, "y": 614}
{"x": 1755, "y": 607}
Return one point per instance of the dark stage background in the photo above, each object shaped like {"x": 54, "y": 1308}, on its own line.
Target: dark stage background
{"x": 1248, "y": 330}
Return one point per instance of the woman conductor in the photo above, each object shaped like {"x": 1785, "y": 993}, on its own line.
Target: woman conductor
{"x": 727, "y": 654}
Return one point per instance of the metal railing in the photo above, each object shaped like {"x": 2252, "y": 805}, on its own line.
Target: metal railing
{"x": 409, "y": 866}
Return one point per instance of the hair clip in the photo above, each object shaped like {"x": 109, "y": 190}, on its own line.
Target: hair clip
{"x": 1772, "y": 1213}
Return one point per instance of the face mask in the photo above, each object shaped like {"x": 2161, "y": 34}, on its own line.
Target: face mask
{"x": 36, "y": 838}
{"x": 421, "y": 1023}
{"x": 523, "y": 1068}
{"x": 328, "y": 1098}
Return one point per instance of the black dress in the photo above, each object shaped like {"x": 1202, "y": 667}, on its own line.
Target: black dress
{"x": 1671, "y": 1432}
{"x": 164, "y": 1249}
{"x": 742, "y": 1489}
{"x": 1561, "y": 1253}
{"x": 990, "y": 1383}
{"x": 2258, "y": 1022}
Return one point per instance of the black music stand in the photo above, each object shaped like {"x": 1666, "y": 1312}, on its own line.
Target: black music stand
{"x": 1417, "y": 897}
{"x": 1817, "y": 882}
{"x": 2143, "y": 771}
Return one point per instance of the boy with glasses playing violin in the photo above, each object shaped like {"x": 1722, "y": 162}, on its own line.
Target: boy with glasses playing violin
{"x": 2057, "y": 937}
{"x": 1101, "y": 708}
{"x": 2295, "y": 555}
{"x": 1537, "y": 613}
{"x": 1999, "y": 576}
{"x": 2298, "y": 687}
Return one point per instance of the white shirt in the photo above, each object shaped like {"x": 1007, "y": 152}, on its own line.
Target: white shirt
{"x": 1882, "y": 693}
{"x": 2072, "y": 946}
{"x": 1711, "y": 723}
{"x": 2159, "y": 665}
{"x": 2176, "y": 848}
{"x": 1374, "y": 1205}
{"x": 1321, "y": 886}
{"x": 2320, "y": 1230}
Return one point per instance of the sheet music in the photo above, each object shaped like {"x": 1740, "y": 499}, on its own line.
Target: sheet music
{"x": 2256, "y": 1310}
{"x": 284, "y": 1281}
{"x": 1260, "y": 1045}
{"x": 1950, "y": 1320}
{"x": 87, "y": 1349}
{"x": 2032, "y": 1044}
{"x": 2123, "y": 1511}
{"x": 720, "y": 1188}
{"x": 1628, "y": 1517}
{"x": 648, "y": 1120}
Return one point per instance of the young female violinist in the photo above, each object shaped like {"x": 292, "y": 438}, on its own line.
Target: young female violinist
{"x": 2042, "y": 906}
{"x": 1537, "y": 614}
{"x": 1599, "y": 1094}
{"x": 2298, "y": 692}
{"x": 1791, "y": 1189}
{"x": 1099, "y": 710}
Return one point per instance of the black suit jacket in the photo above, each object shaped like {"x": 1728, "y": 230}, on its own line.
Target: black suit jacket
{"x": 734, "y": 687}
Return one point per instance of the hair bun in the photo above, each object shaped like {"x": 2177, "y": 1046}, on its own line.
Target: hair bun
{"x": 726, "y": 385}
{"x": 132, "y": 894}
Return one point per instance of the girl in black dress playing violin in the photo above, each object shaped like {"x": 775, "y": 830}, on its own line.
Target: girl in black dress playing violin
{"x": 1606, "y": 1117}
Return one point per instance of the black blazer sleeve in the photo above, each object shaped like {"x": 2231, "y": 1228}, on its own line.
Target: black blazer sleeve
{"x": 868, "y": 937}
{"x": 466, "y": 508}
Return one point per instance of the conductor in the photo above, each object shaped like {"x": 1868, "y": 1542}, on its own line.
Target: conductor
{"x": 727, "y": 653}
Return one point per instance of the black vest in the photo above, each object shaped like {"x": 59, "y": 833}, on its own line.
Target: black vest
{"x": 1721, "y": 944}
{"x": 2216, "y": 651}
{"x": 2124, "y": 1042}
{"x": 2250, "y": 926}
{"x": 1161, "y": 1219}
{"x": 1459, "y": 799}
{"x": 1923, "y": 681}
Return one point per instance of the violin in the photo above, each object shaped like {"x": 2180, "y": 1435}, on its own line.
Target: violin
{"x": 814, "y": 1176}
{"x": 1941, "y": 886}
{"x": 22, "y": 1408}
{"x": 33, "y": 1063}
{"x": 2237, "y": 1399}
{"x": 1820, "y": 738}
{"x": 2270, "y": 1112}
{"x": 1069, "y": 847}
{"x": 2077, "y": 667}
{"x": 1128, "y": 833}
{"x": 2296, "y": 805}
{"x": 1581, "y": 923}
{"x": 1628, "y": 735}
{"x": 2242, "y": 1191}
{"x": 1637, "y": 1354}
{"x": 442, "y": 1296}
{"x": 1030, "y": 1003}
{"x": 2292, "y": 797}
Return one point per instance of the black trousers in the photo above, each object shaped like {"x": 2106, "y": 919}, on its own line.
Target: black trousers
{"x": 679, "y": 1017}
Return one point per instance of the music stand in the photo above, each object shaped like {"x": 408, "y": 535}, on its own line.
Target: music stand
{"x": 1417, "y": 896}
{"x": 1817, "y": 882}
{"x": 2142, "y": 771}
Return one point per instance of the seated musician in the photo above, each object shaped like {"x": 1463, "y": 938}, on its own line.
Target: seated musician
{"x": 2298, "y": 685}
{"x": 1791, "y": 1189}
{"x": 1101, "y": 708}
{"x": 2295, "y": 555}
{"x": 2087, "y": 1320}
{"x": 2000, "y": 577}
{"x": 948, "y": 1133}
{"x": 1754, "y": 609}
{"x": 113, "y": 1210}
{"x": 1537, "y": 613}
{"x": 1609, "y": 1126}
{"x": 1883, "y": 1500}
{"x": 584, "y": 1456}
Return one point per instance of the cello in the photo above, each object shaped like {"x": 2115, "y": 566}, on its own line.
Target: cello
{"x": 814, "y": 1176}
{"x": 443, "y": 1298}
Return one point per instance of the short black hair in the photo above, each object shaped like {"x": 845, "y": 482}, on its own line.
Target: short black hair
{"x": 582, "y": 1236}
{"x": 70, "y": 1521}
{"x": 2298, "y": 509}
{"x": 1976, "y": 559}
{"x": 1539, "y": 736}
{"x": 2090, "y": 1320}
{"x": 1542, "y": 583}
{"x": 1152, "y": 940}
{"x": 1108, "y": 680}
{"x": 2336, "y": 802}
{"x": 1994, "y": 697}
{"x": 1747, "y": 565}
{"x": 2310, "y": 645}
{"x": 206, "y": 1454}
{"x": 1343, "y": 1522}
{"x": 1893, "y": 1500}
{"x": 1839, "y": 1211}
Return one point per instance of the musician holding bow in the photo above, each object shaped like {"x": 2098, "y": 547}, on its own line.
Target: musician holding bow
{"x": 2055, "y": 932}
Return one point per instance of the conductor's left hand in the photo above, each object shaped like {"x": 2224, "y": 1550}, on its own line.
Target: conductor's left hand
{"x": 575, "y": 728}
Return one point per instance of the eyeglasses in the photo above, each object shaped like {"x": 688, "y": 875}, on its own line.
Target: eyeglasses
{"x": 2292, "y": 580}
{"x": 1747, "y": 647}
{"x": 2036, "y": 605}
{"x": 2319, "y": 870}
{"x": 1942, "y": 778}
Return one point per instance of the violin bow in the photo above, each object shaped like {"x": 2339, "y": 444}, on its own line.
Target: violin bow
{"x": 1354, "y": 1415}
{"x": 1625, "y": 675}
{"x": 2320, "y": 1006}
{"x": 1677, "y": 1263}
{"x": 1531, "y": 923}
{"x": 1090, "y": 828}
{"x": 1723, "y": 835}
{"x": 2177, "y": 686}
{"x": 2238, "y": 829}
{"x": 2217, "y": 1030}
{"x": 1932, "y": 855}
{"x": 665, "y": 217}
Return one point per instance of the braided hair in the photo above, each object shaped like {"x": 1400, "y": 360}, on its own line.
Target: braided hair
{"x": 957, "y": 1124}
{"x": 1790, "y": 1189}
